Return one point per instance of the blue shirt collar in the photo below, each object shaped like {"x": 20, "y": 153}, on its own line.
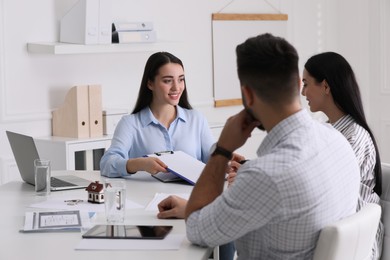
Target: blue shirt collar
{"x": 147, "y": 116}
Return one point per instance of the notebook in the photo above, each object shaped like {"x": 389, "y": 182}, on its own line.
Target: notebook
{"x": 25, "y": 152}
{"x": 181, "y": 167}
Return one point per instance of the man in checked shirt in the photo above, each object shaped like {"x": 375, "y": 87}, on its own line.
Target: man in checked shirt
{"x": 305, "y": 176}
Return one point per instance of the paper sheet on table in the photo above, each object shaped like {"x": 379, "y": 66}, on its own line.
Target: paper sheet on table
{"x": 58, "y": 221}
{"x": 170, "y": 242}
{"x": 160, "y": 196}
{"x": 84, "y": 205}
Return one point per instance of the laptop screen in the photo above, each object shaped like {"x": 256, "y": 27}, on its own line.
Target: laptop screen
{"x": 25, "y": 152}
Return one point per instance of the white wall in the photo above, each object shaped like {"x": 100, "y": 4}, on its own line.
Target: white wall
{"x": 32, "y": 85}
{"x": 378, "y": 84}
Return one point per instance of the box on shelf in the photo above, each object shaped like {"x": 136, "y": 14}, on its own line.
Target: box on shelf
{"x": 87, "y": 22}
{"x": 111, "y": 118}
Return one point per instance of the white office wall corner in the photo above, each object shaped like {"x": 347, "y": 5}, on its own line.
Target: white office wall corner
{"x": 382, "y": 110}
{"x": 384, "y": 7}
{"x": 377, "y": 109}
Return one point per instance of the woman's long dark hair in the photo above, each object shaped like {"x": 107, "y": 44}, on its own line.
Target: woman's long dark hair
{"x": 154, "y": 63}
{"x": 341, "y": 79}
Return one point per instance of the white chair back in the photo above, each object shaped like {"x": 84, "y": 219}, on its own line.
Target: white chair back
{"x": 385, "y": 203}
{"x": 351, "y": 238}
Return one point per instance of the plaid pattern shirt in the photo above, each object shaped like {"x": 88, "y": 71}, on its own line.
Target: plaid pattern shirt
{"x": 305, "y": 177}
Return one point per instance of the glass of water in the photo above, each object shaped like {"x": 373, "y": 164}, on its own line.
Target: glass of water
{"x": 42, "y": 174}
{"x": 115, "y": 200}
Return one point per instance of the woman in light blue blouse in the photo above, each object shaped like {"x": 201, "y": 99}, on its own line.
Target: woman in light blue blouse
{"x": 162, "y": 120}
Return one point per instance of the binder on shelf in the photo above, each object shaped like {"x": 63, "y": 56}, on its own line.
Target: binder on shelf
{"x": 105, "y": 21}
{"x": 82, "y": 105}
{"x": 72, "y": 118}
{"x": 132, "y": 26}
{"x": 87, "y": 22}
{"x": 133, "y": 36}
{"x": 95, "y": 111}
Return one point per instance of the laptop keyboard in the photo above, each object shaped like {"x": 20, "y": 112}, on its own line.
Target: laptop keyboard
{"x": 60, "y": 183}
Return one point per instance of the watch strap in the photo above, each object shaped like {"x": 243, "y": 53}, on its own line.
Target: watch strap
{"x": 222, "y": 151}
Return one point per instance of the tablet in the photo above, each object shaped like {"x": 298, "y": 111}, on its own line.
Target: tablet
{"x": 127, "y": 232}
{"x": 167, "y": 177}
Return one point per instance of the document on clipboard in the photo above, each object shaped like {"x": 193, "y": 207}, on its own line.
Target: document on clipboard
{"x": 181, "y": 167}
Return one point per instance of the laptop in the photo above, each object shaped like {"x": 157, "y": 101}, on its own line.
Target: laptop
{"x": 25, "y": 152}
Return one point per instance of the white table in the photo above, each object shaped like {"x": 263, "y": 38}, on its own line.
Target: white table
{"x": 15, "y": 197}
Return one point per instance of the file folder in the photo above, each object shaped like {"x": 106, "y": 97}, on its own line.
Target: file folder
{"x": 105, "y": 20}
{"x": 72, "y": 118}
{"x": 87, "y": 22}
{"x": 81, "y": 115}
{"x": 95, "y": 111}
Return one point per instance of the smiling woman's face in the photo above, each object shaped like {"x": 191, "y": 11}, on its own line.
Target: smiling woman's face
{"x": 315, "y": 92}
{"x": 168, "y": 84}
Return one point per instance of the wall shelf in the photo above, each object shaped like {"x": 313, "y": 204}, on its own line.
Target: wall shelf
{"x": 68, "y": 48}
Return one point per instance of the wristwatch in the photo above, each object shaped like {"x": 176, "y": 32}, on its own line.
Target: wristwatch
{"x": 215, "y": 149}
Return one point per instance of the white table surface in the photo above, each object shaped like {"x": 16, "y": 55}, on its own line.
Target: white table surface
{"x": 15, "y": 197}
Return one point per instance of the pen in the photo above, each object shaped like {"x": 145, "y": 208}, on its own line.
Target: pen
{"x": 159, "y": 153}
{"x": 73, "y": 202}
{"x": 243, "y": 161}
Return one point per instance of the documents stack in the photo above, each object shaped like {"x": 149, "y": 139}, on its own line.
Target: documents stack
{"x": 133, "y": 32}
